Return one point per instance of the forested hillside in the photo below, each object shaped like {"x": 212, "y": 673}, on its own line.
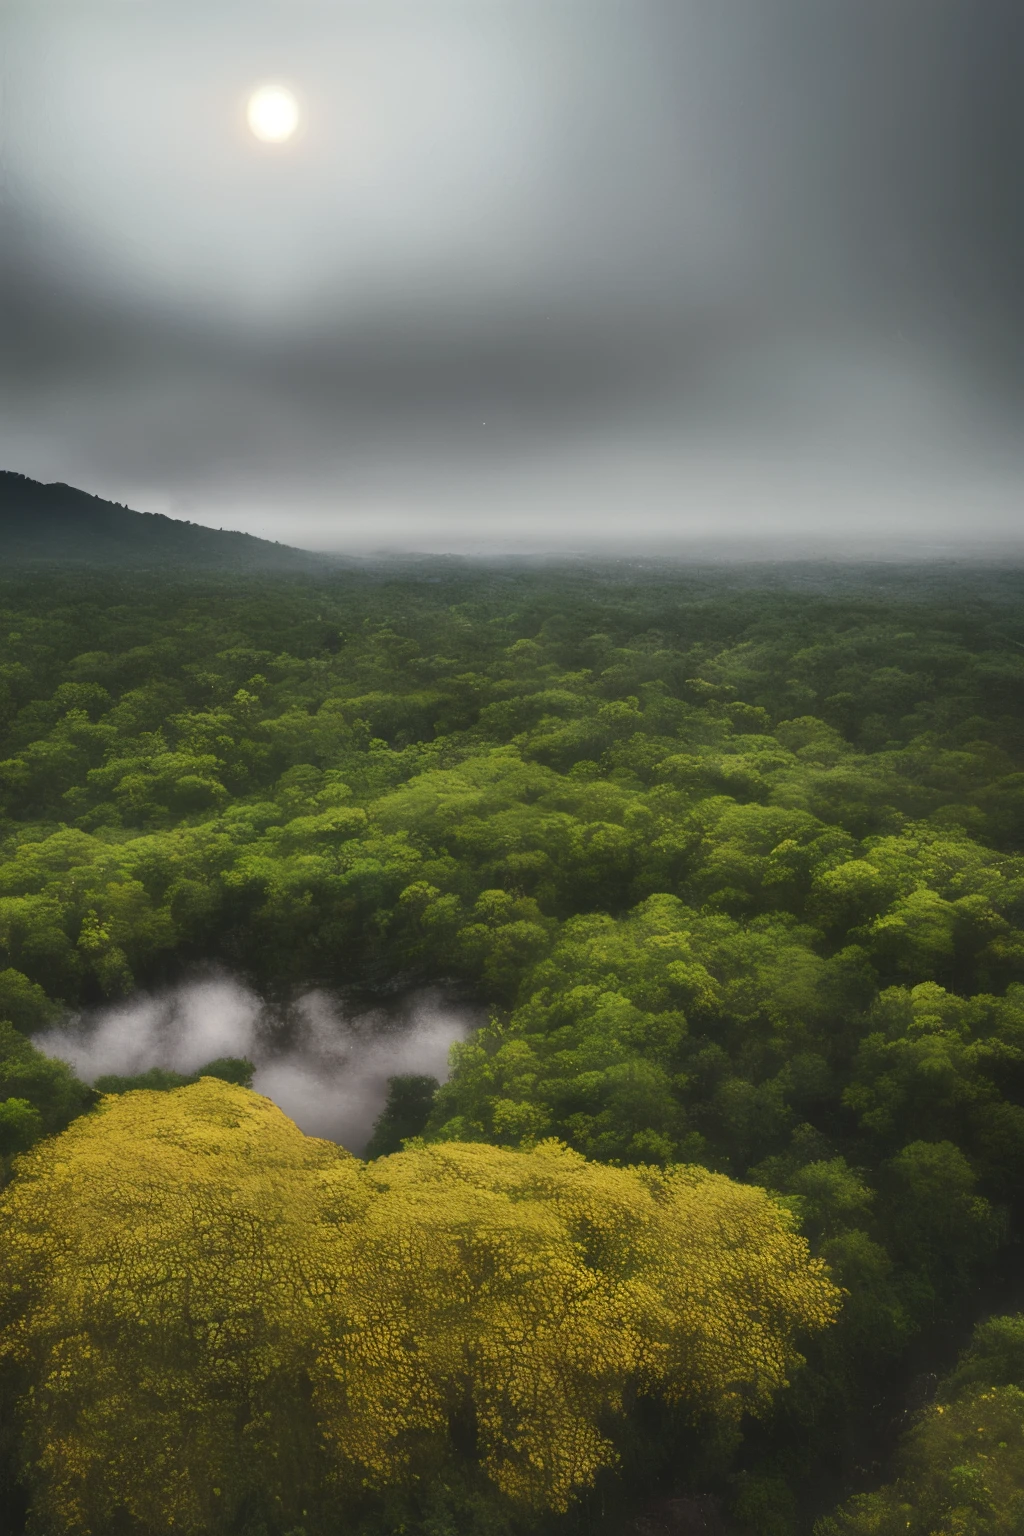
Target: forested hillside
{"x": 736, "y": 859}
{"x": 55, "y": 524}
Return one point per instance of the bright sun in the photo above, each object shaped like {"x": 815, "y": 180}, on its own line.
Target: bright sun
{"x": 273, "y": 113}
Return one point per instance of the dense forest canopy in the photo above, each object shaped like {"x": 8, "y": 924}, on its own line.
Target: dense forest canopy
{"x": 736, "y": 859}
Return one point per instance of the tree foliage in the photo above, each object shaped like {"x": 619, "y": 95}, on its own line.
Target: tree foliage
{"x": 733, "y": 859}
{"x": 961, "y": 1466}
{"x": 204, "y": 1307}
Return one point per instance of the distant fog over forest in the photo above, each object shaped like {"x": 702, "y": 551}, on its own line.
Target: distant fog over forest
{"x": 528, "y": 276}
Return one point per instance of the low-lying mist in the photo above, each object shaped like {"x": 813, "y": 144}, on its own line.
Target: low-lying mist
{"x": 324, "y": 1063}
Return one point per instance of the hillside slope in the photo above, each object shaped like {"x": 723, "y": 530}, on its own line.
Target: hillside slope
{"x": 57, "y": 523}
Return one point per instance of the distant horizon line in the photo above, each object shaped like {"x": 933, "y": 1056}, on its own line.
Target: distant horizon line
{"x": 739, "y": 547}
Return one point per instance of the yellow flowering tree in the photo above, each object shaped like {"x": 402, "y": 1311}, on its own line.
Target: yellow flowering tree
{"x": 205, "y": 1310}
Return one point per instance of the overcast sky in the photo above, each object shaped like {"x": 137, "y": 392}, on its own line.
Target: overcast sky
{"x": 532, "y": 273}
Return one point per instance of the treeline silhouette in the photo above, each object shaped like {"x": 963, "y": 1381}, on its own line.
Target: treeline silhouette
{"x": 56, "y": 524}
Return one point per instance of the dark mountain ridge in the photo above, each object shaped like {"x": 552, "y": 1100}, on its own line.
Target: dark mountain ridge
{"x": 57, "y": 523}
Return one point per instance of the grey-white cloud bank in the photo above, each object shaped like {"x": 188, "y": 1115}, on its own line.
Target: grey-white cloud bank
{"x": 325, "y": 1065}
{"x": 528, "y": 269}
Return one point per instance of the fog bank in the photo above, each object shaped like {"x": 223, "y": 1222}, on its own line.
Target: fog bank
{"x": 325, "y": 1065}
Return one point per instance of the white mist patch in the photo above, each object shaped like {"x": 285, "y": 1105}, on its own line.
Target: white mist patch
{"x": 333, "y": 1080}
{"x": 326, "y": 1066}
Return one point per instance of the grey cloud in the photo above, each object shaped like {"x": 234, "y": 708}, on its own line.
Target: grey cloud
{"x": 530, "y": 267}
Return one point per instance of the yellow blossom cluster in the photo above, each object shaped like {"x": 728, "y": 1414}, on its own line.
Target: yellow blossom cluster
{"x": 201, "y": 1305}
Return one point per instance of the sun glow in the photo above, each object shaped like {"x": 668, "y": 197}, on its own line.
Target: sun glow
{"x": 272, "y": 114}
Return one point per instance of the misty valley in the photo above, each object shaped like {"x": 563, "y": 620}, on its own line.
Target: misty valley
{"x": 505, "y": 1047}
